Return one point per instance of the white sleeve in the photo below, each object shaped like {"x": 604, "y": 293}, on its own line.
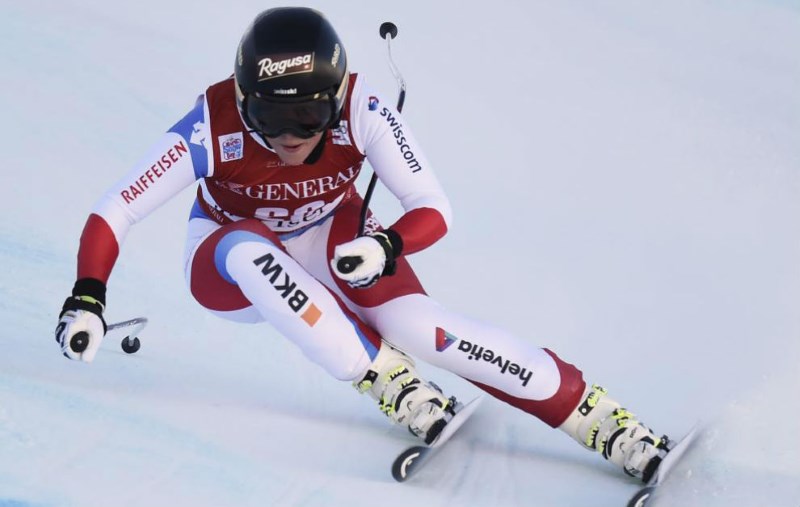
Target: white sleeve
{"x": 393, "y": 152}
{"x": 174, "y": 162}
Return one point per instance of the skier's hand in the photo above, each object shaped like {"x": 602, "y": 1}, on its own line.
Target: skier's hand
{"x": 81, "y": 326}
{"x": 364, "y": 260}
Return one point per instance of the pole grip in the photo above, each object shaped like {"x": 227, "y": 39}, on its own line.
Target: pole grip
{"x": 347, "y": 265}
{"x": 79, "y": 342}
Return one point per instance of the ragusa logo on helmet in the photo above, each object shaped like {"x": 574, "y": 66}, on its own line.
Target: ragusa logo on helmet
{"x": 283, "y": 65}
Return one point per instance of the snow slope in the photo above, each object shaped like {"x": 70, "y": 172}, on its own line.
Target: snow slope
{"x": 625, "y": 182}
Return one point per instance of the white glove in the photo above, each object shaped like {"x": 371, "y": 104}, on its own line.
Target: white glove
{"x": 79, "y": 328}
{"x": 364, "y": 260}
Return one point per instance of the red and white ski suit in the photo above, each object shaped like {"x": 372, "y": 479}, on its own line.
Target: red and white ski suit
{"x": 261, "y": 234}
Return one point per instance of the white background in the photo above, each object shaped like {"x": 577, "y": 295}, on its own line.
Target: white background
{"x": 625, "y": 183}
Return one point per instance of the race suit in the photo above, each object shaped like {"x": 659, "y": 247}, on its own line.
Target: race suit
{"x": 261, "y": 235}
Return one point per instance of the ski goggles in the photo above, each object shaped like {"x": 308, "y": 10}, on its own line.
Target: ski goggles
{"x": 302, "y": 118}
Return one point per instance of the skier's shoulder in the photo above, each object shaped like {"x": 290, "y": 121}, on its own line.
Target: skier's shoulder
{"x": 220, "y": 101}
{"x": 366, "y": 111}
{"x": 221, "y": 93}
{"x": 222, "y": 115}
{"x": 359, "y": 94}
{"x": 212, "y": 102}
{"x": 210, "y": 111}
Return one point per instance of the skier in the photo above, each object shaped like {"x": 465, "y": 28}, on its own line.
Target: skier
{"x": 277, "y": 148}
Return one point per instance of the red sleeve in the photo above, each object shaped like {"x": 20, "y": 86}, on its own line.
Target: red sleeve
{"x": 419, "y": 229}
{"x": 98, "y": 250}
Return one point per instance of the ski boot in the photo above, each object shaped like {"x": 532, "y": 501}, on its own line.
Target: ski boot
{"x": 599, "y": 423}
{"x": 404, "y": 397}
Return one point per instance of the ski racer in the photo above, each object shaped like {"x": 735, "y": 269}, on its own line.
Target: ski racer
{"x": 276, "y": 149}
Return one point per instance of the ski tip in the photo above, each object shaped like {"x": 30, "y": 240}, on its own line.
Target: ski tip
{"x": 411, "y": 459}
{"x": 641, "y": 497}
{"x": 406, "y": 462}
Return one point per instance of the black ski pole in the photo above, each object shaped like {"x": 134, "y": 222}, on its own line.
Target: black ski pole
{"x": 388, "y": 31}
{"x": 130, "y": 344}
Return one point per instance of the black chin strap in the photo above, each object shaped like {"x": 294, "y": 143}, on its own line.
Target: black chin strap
{"x": 316, "y": 153}
{"x": 263, "y": 138}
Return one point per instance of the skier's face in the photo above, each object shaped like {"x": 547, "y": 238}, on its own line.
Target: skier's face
{"x": 293, "y": 150}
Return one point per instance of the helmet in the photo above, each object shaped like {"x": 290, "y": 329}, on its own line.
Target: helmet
{"x": 290, "y": 73}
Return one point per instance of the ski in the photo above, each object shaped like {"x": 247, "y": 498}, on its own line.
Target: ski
{"x": 643, "y": 496}
{"x": 409, "y": 461}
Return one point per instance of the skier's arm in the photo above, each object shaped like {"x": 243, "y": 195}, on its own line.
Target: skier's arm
{"x": 400, "y": 163}
{"x": 172, "y": 164}
{"x": 397, "y": 159}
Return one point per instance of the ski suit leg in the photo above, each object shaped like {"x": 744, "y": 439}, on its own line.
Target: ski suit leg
{"x": 530, "y": 378}
{"x": 241, "y": 271}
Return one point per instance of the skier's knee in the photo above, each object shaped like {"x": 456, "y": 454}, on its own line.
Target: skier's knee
{"x": 228, "y": 243}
